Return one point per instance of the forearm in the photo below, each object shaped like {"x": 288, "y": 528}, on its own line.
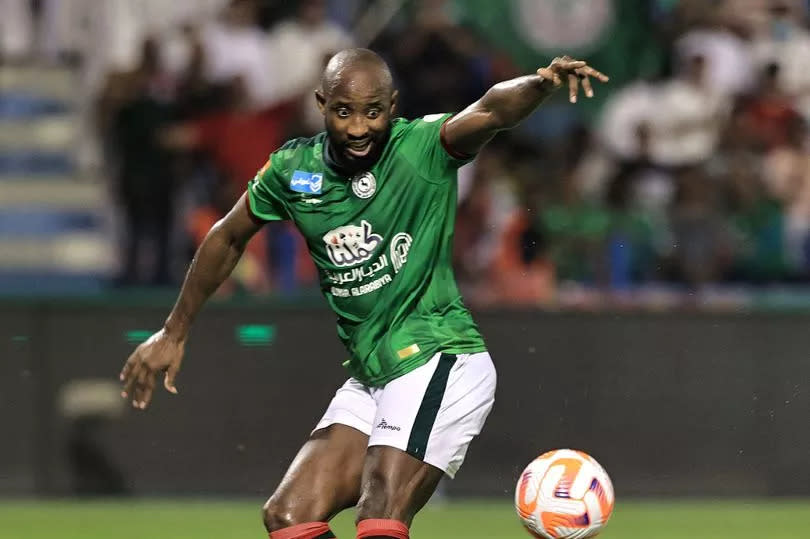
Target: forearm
{"x": 509, "y": 102}
{"x": 502, "y": 107}
{"x": 212, "y": 264}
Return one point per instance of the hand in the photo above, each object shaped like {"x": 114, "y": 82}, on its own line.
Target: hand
{"x": 574, "y": 70}
{"x": 159, "y": 353}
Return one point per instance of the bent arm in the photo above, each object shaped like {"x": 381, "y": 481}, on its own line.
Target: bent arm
{"x": 504, "y": 106}
{"x": 507, "y": 103}
{"x": 212, "y": 264}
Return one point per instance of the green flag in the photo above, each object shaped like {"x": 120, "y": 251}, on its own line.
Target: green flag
{"x": 615, "y": 36}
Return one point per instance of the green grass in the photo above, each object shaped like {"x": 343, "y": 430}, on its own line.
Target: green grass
{"x": 172, "y": 519}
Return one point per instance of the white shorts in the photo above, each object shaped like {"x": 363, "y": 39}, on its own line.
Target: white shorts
{"x": 432, "y": 412}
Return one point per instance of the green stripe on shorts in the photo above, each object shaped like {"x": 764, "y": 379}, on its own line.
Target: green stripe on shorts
{"x": 429, "y": 409}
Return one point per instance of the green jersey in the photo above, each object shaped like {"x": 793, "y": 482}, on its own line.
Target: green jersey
{"x": 382, "y": 242}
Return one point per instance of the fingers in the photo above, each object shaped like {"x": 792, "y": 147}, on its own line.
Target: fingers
{"x": 168, "y": 381}
{"x": 575, "y": 71}
{"x": 550, "y": 74}
{"x": 140, "y": 388}
{"x": 588, "y": 71}
{"x": 586, "y": 86}
{"x": 149, "y": 388}
{"x": 573, "y": 87}
{"x": 568, "y": 64}
{"x": 130, "y": 377}
{"x": 127, "y": 367}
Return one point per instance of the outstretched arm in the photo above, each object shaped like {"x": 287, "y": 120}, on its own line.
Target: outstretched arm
{"x": 212, "y": 264}
{"x": 507, "y": 103}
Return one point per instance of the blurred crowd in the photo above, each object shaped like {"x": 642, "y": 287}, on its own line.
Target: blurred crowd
{"x": 695, "y": 174}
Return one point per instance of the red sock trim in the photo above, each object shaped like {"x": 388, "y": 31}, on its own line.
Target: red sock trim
{"x": 308, "y": 530}
{"x": 381, "y": 527}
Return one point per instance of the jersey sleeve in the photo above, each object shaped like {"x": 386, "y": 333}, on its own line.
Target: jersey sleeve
{"x": 428, "y": 147}
{"x": 264, "y": 202}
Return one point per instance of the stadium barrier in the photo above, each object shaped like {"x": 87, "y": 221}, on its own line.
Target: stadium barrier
{"x": 671, "y": 404}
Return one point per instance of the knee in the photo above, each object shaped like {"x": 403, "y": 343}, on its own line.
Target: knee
{"x": 277, "y": 514}
{"x": 283, "y": 510}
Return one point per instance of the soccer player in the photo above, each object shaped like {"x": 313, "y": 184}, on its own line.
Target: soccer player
{"x": 375, "y": 198}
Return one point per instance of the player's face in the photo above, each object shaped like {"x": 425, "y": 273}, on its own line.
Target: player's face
{"x": 357, "y": 113}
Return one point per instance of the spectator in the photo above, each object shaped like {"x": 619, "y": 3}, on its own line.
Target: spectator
{"x": 770, "y": 112}
{"x": 784, "y": 42}
{"x": 438, "y": 64}
{"x": 702, "y": 240}
{"x": 688, "y": 115}
{"x": 787, "y": 173}
{"x": 731, "y": 70}
{"x": 235, "y": 46}
{"x": 136, "y": 106}
{"x": 239, "y": 140}
{"x": 300, "y": 46}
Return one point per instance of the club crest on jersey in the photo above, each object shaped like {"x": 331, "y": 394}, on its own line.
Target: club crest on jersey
{"x": 364, "y": 185}
{"x": 307, "y": 182}
{"x": 350, "y": 245}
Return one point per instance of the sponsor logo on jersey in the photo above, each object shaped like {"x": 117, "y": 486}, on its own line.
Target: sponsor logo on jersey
{"x": 350, "y": 245}
{"x": 408, "y": 351}
{"x": 364, "y": 185}
{"x": 385, "y": 426}
{"x": 400, "y": 246}
{"x": 307, "y": 182}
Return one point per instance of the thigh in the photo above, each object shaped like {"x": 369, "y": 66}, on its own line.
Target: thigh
{"x": 425, "y": 421}
{"x": 323, "y": 479}
{"x": 434, "y": 412}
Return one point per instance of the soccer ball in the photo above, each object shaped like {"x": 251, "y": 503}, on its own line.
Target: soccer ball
{"x": 564, "y": 494}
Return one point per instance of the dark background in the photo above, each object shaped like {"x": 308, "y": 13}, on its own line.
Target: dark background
{"x": 671, "y": 404}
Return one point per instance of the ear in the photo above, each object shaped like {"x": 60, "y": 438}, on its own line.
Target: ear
{"x": 394, "y": 103}
{"x": 320, "y": 99}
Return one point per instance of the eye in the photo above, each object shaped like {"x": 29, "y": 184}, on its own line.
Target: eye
{"x": 343, "y": 112}
{"x": 373, "y": 113}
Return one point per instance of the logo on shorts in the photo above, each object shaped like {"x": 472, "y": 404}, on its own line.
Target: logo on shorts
{"x": 364, "y": 185}
{"x": 307, "y": 182}
{"x": 385, "y": 426}
{"x": 350, "y": 245}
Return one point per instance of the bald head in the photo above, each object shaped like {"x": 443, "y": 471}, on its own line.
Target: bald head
{"x": 350, "y": 65}
{"x": 358, "y": 101}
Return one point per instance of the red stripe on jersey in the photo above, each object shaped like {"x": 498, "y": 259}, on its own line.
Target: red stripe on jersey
{"x": 253, "y": 217}
{"x": 455, "y": 154}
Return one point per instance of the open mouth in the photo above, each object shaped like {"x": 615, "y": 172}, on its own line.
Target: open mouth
{"x": 359, "y": 150}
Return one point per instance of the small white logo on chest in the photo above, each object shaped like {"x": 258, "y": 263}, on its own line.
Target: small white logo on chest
{"x": 364, "y": 185}
{"x": 312, "y": 201}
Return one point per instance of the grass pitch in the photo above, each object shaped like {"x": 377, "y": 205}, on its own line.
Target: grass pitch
{"x": 173, "y": 519}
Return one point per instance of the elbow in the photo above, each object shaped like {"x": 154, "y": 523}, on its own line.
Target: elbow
{"x": 222, "y": 234}
{"x": 491, "y": 118}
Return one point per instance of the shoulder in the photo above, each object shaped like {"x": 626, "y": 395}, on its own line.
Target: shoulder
{"x": 298, "y": 151}
{"x": 420, "y": 130}
{"x": 424, "y": 122}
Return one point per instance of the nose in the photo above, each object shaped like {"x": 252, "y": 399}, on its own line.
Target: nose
{"x": 358, "y": 128}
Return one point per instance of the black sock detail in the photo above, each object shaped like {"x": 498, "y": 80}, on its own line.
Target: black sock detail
{"x": 327, "y": 535}
{"x": 429, "y": 409}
